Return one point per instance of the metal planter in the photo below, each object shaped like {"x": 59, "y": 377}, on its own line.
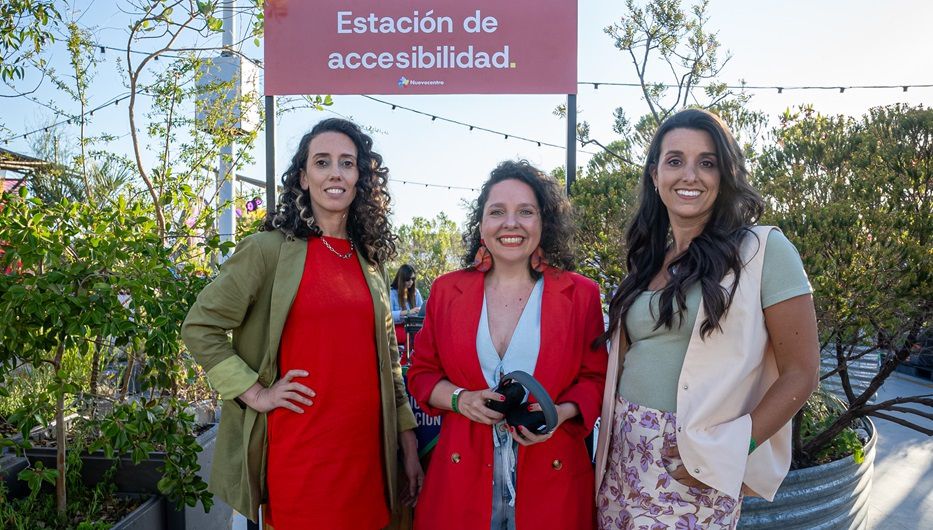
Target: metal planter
{"x": 150, "y": 515}
{"x": 832, "y": 496}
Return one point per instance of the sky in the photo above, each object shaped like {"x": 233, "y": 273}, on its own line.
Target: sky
{"x": 787, "y": 43}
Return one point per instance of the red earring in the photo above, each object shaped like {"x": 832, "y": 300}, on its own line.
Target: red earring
{"x": 537, "y": 261}
{"x": 483, "y": 259}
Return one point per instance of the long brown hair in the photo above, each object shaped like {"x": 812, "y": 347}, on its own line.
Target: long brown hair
{"x": 406, "y": 295}
{"x": 711, "y": 255}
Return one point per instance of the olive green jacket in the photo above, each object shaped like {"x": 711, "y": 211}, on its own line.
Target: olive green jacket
{"x": 252, "y": 295}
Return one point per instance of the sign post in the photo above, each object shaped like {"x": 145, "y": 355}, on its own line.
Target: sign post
{"x": 419, "y": 47}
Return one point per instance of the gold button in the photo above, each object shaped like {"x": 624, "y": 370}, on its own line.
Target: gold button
{"x": 557, "y": 464}
{"x": 455, "y": 458}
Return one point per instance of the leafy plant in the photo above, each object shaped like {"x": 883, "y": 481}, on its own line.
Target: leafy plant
{"x": 139, "y": 428}
{"x": 854, "y": 196}
{"x": 432, "y": 246}
{"x": 85, "y": 277}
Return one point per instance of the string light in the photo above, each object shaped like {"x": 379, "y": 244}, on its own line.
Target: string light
{"x": 471, "y": 127}
{"x": 73, "y": 119}
{"x": 780, "y": 89}
{"x": 429, "y": 185}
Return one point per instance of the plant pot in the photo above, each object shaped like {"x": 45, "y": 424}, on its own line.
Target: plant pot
{"x": 221, "y": 515}
{"x": 205, "y": 411}
{"x": 143, "y": 478}
{"x": 10, "y": 466}
{"x": 831, "y": 496}
{"x": 150, "y": 515}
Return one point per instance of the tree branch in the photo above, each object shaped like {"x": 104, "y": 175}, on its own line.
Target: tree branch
{"x": 905, "y": 423}
{"x": 607, "y": 150}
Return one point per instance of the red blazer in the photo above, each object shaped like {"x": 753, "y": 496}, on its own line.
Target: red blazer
{"x": 554, "y": 479}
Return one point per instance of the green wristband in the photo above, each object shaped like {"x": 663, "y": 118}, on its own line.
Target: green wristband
{"x": 752, "y": 445}
{"x": 454, "y": 400}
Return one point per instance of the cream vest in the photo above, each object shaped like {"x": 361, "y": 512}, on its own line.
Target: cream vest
{"x": 722, "y": 380}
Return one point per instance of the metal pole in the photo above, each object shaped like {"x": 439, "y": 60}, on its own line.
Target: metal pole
{"x": 226, "y": 215}
{"x": 270, "y": 154}
{"x": 571, "y": 141}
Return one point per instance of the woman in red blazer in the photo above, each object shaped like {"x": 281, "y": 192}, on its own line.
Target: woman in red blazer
{"x": 515, "y": 307}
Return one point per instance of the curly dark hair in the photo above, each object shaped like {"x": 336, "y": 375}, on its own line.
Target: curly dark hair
{"x": 368, "y": 223}
{"x": 557, "y": 228}
{"x": 711, "y": 255}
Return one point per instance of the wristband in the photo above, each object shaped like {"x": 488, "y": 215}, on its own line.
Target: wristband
{"x": 454, "y": 399}
{"x": 752, "y": 445}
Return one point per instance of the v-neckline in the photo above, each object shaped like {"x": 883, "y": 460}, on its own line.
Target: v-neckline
{"x": 518, "y": 325}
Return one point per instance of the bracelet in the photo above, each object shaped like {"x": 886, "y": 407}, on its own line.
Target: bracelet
{"x": 752, "y": 445}
{"x": 454, "y": 399}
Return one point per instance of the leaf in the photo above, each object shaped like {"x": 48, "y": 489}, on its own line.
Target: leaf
{"x": 215, "y": 24}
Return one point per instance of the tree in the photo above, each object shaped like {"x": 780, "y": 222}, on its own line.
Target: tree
{"x": 25, "y": 30}
{"x": 432, "y": 246}
{"x": 603, "y": 202}
{"x": 677, "y": 60}
{"x": 854, "y": 196}
{"x": 85, "y": 276}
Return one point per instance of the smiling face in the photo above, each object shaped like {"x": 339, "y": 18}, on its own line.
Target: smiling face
{"x": 511, "y": 225}
{"x": 331, "y": 173}
{"x": 687, "y": 176}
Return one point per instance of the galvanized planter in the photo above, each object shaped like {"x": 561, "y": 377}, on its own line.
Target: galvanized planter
{"x": 832, "y": 496}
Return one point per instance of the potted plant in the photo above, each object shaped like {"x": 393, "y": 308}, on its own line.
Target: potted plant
{"x": 89, "y": 280}
{"x": 854, "y": 196}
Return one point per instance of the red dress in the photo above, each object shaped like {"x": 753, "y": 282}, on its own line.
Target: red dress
{"x": 325, "y": 467}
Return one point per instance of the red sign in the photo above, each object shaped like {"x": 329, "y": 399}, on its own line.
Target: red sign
{"x": 420, "y": 47}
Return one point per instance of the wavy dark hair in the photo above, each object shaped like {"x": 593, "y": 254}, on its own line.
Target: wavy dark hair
{"x": 368, "y": 223}
{"x": 406, "y": 296}
{"x": 557, "y": 229}
{"x": 711, "y": 255}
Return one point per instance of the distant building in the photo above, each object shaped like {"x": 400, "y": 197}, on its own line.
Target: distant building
{"x": 15, "y": 168}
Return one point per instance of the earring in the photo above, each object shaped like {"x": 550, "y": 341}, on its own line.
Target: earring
{"x": 656, "y": 190}
{"x": 538, "y": 261}
{"x": 483, "y": 259}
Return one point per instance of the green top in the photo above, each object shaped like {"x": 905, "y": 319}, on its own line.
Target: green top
{"x": 656, "y": 356}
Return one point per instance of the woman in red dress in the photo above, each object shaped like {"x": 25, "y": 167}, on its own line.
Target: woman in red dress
{"x": 313, "y": 287}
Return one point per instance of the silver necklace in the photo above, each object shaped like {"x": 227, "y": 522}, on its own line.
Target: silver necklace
{"x": 339, "y": 255}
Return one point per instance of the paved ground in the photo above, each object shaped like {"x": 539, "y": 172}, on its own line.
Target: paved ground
{"x": 902, "y": 492}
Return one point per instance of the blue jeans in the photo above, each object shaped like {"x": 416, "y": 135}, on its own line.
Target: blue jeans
{"x": 503, "y": 479}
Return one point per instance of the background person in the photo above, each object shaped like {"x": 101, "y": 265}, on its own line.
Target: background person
{"x": 714, "y": 333}
{"x": 516, "y": 307}
{"x": 405, "y": 300}
{"x": 314, "y": 403}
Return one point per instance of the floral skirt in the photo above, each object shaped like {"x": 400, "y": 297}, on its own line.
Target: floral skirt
{"x": 638, "y": 493}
